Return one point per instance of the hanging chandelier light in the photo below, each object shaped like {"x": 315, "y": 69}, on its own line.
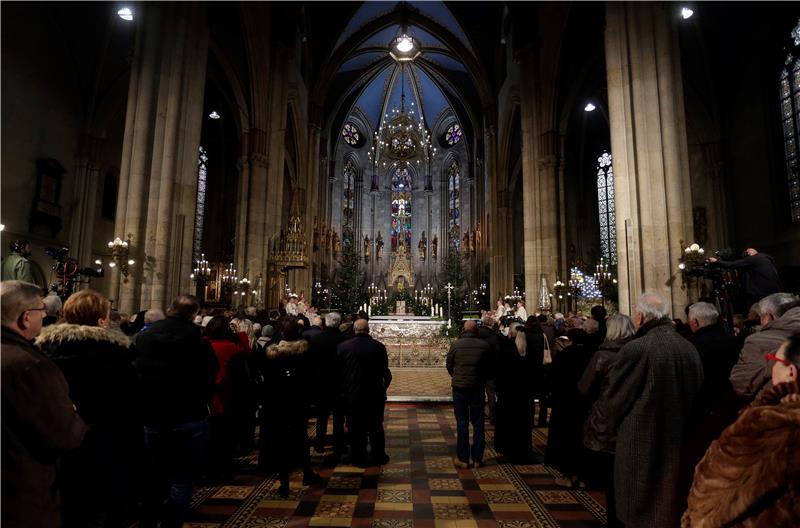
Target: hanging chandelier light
{"x": 402, "y": 138}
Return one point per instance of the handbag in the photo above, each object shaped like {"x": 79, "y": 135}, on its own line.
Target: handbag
{"x": 548, "y": 357}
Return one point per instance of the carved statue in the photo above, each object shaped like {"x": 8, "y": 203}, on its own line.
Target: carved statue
{"x": 434, "y": 246}
{"x": 473, "y": 241}
{"x": 378, "y": 246}
{"x": 367, "y": 246}
{"x": 337, "y": 246}
{"x": 465, "y": 242}
{"x": 478, "y": 233}
{"x": 422, "y": 246}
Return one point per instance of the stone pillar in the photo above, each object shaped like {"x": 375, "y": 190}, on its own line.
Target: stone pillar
{"x": 539, "y": 175}
{"x": 87, "y": 176}
{"x": 648, "y": 142}
{"x": 498, "y": 249}
{"x": 158, "y": 176}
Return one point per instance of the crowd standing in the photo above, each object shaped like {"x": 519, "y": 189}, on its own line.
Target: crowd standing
{"x": 107, "y": 417}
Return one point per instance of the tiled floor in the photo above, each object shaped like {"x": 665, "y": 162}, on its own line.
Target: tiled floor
{"x": 414, "y": 384}
{"x": 419, "y": 488}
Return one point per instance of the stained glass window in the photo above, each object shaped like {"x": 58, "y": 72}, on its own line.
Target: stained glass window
{"x": 401, "y": 207}
{"x": 200, "y": 205}
{"x": 790, "y": 117}
{"x": 348, "y": 196}
{"x": 350, "y": 134}
{"x": 453, "y": 134}
{"x": 454, "y": 204}
{"x": 606, "y": 208}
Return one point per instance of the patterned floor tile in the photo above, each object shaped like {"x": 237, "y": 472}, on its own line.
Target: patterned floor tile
{"x": 419, "y": 488}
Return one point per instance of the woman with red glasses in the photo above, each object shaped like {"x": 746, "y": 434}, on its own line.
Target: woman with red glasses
{"x": 751, "y": 475}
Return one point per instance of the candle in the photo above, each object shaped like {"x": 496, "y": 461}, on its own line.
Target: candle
{"x": 369, "y": 311}
{"x": 432, "y": 311}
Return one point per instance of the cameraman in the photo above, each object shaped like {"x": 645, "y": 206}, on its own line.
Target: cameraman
{"x": 17, "y": 265}
{"x": 759, "y": 277}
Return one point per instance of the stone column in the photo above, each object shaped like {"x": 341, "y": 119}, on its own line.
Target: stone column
{"x": 498, "y": 250}
{"x": 539, "y": 175}
{"x": 158, "y": 179}
{"x": 648, "y": 142}
{"x": 87, "y": 176}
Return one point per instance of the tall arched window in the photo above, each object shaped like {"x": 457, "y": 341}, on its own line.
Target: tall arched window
{"x": 790, "y": 117}
{"x": 401, "y": 207}
{"x": 348, "y": 197}
{"x": 606, "y": 208}
{"x": 200, "y": 205}
{"x": 454, "y": 203}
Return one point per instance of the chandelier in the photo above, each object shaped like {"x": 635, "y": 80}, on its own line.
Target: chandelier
{"x": 401, "y": 139}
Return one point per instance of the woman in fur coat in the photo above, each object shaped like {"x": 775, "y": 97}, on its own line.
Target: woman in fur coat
{"x": 750, "y": 476}
{"x": 102, "y": 384}
{"x": 283, "y": 442}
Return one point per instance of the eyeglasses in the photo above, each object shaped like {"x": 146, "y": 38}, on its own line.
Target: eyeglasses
{"x": 773, "y": 357}
{"x": 42, "y": 309}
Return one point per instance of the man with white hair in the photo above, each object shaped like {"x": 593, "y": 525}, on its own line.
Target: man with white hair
{"x": 779, "y": 320}
{"x": 650, "y": 397}
{"x": 40, "y": 422}
{"x": 718, "y": 350}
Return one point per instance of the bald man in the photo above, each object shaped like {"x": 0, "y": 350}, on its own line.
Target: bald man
{"x": 365, "y": 376}
{"x": 468, "y": 364}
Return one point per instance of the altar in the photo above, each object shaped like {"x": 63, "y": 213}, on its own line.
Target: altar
{"x": 411, "y": 341}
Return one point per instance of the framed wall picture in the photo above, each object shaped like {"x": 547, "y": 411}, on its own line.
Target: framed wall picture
{"x": 46, "y": 208}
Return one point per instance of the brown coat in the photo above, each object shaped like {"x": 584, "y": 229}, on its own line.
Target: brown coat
{"x": 751, "y": 475}
{"x": 39, "y": 424}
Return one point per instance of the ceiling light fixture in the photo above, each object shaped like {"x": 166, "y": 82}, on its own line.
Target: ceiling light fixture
{"x": 214, "y": 115}
{"x": 404, "y": 48}
{"x": 589, "y": 107}
{"x": 125, "y": 14}
{"x": 686, "y": 13}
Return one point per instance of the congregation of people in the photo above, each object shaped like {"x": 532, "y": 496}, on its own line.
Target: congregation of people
{"x": 107, "y": 416}
{"x": 679, "y": 424}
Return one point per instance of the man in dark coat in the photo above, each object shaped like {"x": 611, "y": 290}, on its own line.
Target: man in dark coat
{"x": 322, "y": 356}
{"x": 364, "y": 364}
{"x": 468, "y": 364}
{"x": 39, "y": 421}
{"x": 652, "y": 389}
{"x": 177, "y": 369}
{"x": 488, "y": 331}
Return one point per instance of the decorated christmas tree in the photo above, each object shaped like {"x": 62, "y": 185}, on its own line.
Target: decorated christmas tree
{"x": 348, "y": 284}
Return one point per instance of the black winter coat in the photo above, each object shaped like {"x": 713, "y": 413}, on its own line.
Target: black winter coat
{"x": 364, "y": 364}
{"x": 322, "y": 359}
{"x": 759, "y": 275}
{"x": 177, "y": 369}
{"x": 469, "y": 362}
{"x": 97, "y": 365}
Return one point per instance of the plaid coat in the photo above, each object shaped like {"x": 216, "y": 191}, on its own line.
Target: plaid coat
{"x": 650, "y": 396}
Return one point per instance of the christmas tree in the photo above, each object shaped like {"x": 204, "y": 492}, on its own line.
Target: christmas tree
{"x": 348, "y": 284}
{"x": 453, "y": 273}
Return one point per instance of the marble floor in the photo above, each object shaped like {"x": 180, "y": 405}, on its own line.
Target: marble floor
{"x": 419, "y": 488}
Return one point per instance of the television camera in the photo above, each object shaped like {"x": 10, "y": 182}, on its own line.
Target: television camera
{"x": 68, "y": 272}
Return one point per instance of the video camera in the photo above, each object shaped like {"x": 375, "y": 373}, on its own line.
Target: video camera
{"x": 68, "y": 271}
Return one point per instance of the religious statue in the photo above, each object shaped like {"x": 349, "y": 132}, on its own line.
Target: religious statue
{"x": 401, "y": 284}
{"x": 478, "y": 234}
{"x": 337, "y": 246}
{"x": 422, "y": 246}
{"x": 434, "y": 245}
{"x": 378, "y": 246}
{"x": 367, "y": 246}
{"x": 465, "y": 242}
{"x": 472, "y": 241}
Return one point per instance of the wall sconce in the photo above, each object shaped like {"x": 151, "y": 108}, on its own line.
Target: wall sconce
{"x": 120, "y": 250}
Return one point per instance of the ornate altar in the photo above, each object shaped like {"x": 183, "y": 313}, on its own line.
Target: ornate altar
{"x": 411, "y": 341}
{"x": 401, "y": 273}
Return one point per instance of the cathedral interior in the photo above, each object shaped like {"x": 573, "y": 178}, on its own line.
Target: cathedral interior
{"x": 246, "y": 151}
{"x": 238, "y": 149}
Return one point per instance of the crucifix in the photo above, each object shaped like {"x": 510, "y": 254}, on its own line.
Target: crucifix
{"x": 449, "y": 289}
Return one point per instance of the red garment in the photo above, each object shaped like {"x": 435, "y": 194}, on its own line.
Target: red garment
{"x": 231, "y": 379}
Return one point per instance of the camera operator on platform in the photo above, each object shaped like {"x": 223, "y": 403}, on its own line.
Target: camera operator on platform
{"x": 759, "y": 277}
{"x": 17, "y": 265}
